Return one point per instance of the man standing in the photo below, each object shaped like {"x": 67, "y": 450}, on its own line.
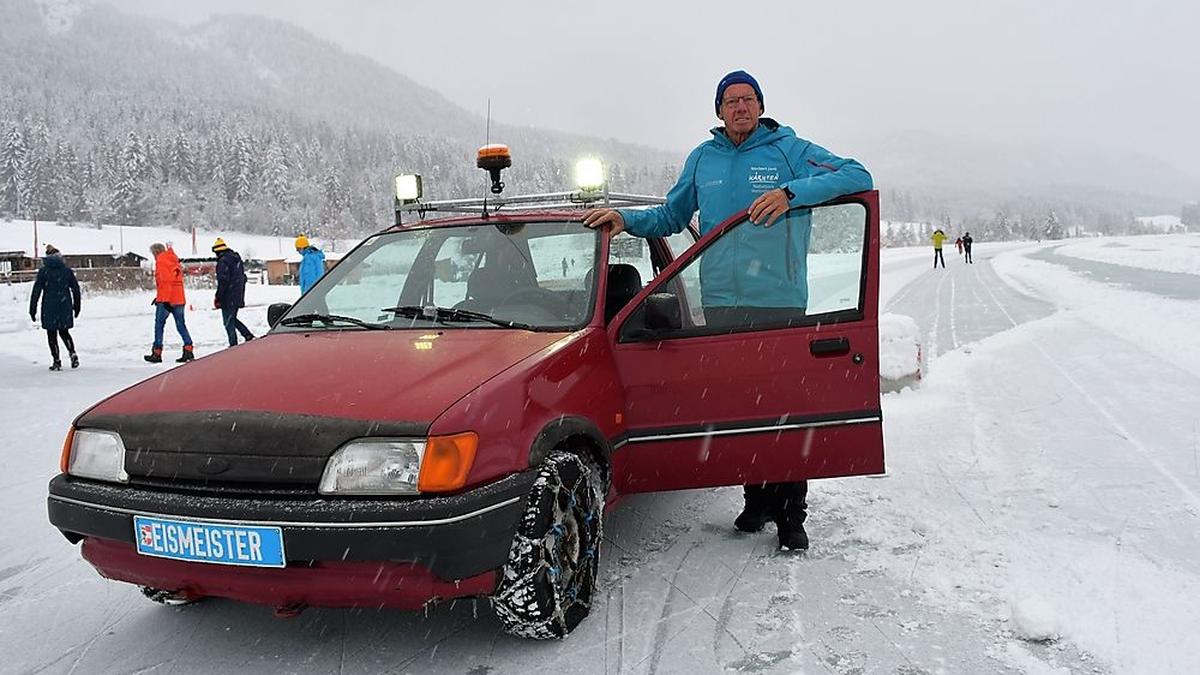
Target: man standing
{"x": 312, "y": 263}
{"x": 169, "y": 300}
{"x": 967, "y": 241}
{"x": 231, "y": 291}
{"x": 939, "y": 238}
{"x": 721, "y": 177}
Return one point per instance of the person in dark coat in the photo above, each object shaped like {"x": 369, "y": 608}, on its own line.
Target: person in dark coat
{"x": 58, "y": 290}
{"x": 968, "y": 240}
{"x": 231, "y": 291}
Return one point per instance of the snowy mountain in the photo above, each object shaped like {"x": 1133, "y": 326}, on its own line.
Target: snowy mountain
{"x": 239, "y": 120}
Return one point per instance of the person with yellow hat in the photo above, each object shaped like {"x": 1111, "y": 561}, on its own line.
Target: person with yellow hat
{"x": 231, "y": 291}
{"x": 312, "y": 263}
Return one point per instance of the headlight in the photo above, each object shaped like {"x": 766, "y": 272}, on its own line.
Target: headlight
{"x": 374, "y": 467}
{"x": 399, "y": 466}
{"x": 97, "y": 454}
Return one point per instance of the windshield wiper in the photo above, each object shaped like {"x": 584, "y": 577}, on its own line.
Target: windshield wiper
{"x": 444, "y": 314}
{"x": 329, "y": 318}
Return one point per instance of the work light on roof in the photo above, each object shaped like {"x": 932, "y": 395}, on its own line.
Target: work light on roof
{"x": 408, "y": 188}
{"x": 589, "y": 174}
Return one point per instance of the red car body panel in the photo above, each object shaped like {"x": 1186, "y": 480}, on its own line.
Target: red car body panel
{"x": 572, "y": 377}
{"x": 371, "y": 375}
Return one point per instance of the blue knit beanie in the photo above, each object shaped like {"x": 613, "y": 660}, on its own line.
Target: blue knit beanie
{"x": 737, "y": 77}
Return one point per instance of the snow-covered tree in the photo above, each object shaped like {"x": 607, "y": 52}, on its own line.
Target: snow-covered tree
{"x": 12, "y": 168}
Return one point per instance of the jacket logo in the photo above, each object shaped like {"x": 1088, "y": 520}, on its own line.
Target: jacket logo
{"x": 764, "y": 174}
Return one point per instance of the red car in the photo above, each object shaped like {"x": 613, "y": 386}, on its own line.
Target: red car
{"x": 448, "y": 412}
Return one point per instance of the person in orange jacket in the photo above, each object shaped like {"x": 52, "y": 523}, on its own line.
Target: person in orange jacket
{"x": 169, "y": 299}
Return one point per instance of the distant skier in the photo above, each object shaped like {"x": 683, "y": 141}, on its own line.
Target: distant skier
{"x": 938, "y": 237}
{"x": 59, "y": 292}
{"x": 958, "y": 245}
{"x": 312, "y": 263}
{"x": 231, "y": 291}
{"x": 967, "y": 241}
{"x": 169, "y": 300}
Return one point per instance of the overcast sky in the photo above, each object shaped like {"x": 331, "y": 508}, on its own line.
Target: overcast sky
{"x": 1073, "y": 72}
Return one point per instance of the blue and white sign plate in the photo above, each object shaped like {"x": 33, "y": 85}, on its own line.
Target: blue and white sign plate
{"x": 219, "y": 543}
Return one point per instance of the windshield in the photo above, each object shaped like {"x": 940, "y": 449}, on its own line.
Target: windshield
{"x": 524, "y": 275}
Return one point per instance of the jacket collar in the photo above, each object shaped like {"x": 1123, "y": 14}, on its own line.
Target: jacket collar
{"x": 765, "y": 131}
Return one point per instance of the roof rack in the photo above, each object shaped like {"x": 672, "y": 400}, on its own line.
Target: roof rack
{"x": 550, "y": 200}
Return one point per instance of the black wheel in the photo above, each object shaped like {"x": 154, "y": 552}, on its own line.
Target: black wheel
{"x": 546, "y": 587}
{"x": 170, "y": 598}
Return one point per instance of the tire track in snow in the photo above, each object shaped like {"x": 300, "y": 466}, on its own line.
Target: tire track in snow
{"x": 953, "y": 319}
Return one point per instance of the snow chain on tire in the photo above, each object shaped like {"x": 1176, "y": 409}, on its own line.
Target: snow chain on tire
{"x": 546, "y": 587}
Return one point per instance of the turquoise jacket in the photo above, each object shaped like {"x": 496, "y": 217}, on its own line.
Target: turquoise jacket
{"x": 752, "y": 266}
{"x": 312, "y": 266}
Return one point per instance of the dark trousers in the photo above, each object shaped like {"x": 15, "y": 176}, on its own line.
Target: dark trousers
{"x": 233, "y": 325}
{"x": 969, "y": 259}
{"x": 937, "y": 255}
{"x": 52, "y": 336}
{"x": 784, "y": 502}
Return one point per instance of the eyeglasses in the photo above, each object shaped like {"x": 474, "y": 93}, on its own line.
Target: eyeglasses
{"x": 731, "y": 102}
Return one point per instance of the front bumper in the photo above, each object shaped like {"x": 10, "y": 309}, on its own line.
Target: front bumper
{"x": 455, "y": 537}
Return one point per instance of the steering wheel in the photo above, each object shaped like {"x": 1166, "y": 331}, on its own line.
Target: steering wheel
{"x": 537, "y": 297}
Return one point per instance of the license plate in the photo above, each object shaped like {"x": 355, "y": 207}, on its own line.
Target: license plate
{"x": 219, "y": 543}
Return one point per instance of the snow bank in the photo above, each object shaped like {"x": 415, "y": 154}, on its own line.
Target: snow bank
{"x": 899, "y": 351}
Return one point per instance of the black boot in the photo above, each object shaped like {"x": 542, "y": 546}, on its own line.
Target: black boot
{"x": 155, "y": 355}
{"x": 791, "y": 501}
{"x": 188, "y": 355}
{"x": 757, "y": 510}
{"x": 57, "y": 365}
{"x": 74, "y": 360}
{"x": 793, "y": 537}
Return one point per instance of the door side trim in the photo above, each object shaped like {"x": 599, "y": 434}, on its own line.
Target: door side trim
{"x": 757, "y": 427}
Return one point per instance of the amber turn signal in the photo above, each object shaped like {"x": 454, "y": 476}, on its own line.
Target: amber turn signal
{"x": 446, "y": 462}
{"x": 64, "y": 461}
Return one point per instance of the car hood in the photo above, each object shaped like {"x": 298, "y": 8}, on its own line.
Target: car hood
{"x": 299, "y": 396}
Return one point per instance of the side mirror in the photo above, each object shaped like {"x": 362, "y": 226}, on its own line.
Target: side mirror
{"x": 662, "y": 312}
{"x": 275, "y": 312}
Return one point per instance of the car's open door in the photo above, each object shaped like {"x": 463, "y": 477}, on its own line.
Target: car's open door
{"x": 754, "y": 357}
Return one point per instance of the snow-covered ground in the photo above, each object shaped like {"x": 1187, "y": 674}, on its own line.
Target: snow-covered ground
{"x": 18, "y": 235}
{"x": 1040, "y": 514}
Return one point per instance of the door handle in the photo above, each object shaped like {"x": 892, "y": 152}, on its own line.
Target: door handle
{"x": 829, "y": 346}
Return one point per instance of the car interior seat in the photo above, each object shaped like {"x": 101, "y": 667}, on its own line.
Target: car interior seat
{"x": 624, "y": 282}
{"x": 490, "y": 284}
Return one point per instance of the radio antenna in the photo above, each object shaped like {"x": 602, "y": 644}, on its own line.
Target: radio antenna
{"x": 487, "y": 140}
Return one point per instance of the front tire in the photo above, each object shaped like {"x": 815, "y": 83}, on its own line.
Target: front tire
{"x": 546, "y": 586}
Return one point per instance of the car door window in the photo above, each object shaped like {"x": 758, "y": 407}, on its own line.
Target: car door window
{"x": 806, "y": 268}
{"x": 629, "y": 250}
{"x": 680, "y": 242}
